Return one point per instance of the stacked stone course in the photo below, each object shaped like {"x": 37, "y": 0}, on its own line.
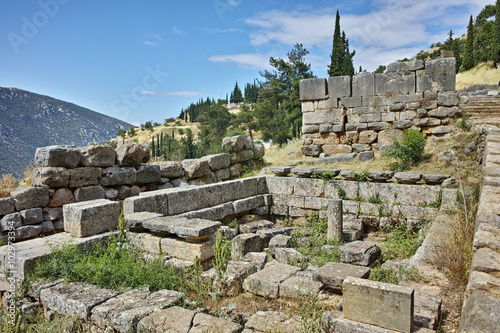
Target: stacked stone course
{"x": 346, "y": 114}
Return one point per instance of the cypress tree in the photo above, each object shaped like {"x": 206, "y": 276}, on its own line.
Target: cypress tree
{"x": 348, "y": 67}
{"x": 495, "y": 47}
{"x": 468, "y": 61}
{"x": 336, "y": 61}
{"x": 153, "y": 146}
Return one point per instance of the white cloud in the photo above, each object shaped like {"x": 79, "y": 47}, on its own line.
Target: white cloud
{"x": 172, "y": 93}
{"x": 150, "y": 43}
{"x": 177, "y": 31}
{"x": 243, "y": 60}
{"x": 220, "y": 30}
{"x": 148, "y": 92}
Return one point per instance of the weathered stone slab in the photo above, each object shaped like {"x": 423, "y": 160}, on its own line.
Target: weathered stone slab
{"x": 247, "y": 204}
{"x": 338, "y": 87}
{"x": 272, "y": 232}
{"x": 313, "y": 89}
{"x": 114, "y": 176}
{"x": 32, "y": 216}
{"x": 28, "y": 231}
{"x": 279, "y": 241}
{"x": 407, "y": 177}
{"x": 30, "y": 197}
{"x": 88, "y": 176}
{"x": 271, "y": 322}
{"x": 242, "y": 156}
{"x": 258, "y": 259}
{"x": 134, "y": 220}
{"x": 363, "y": 84}
{"x": 332, "y": 321}
{"x": 486, "y": 260}
{"x": 74, "y": 299}
{"x": 335, "y": 214}
{"x": 182, "y": 227}
{"x": 51, "y": 176}
{"x": 245, "y": 243}
{"x": 308, "y": 187}
{"x": 480, "y": 313}
{"x": 11, "y": 221}
{"x": 145, "y": 242}
{"x": 91, "y": 217}
{"x": 206, "y": 323}
{"x": 253, "y": 227}
{"x": 57, "y": 156}
{"x": 188, "y": 251}
{"x": 7, "y": 206}
{"x": 89, "y": 193}
{"x": 266, "y": 282}
{"x": 153, "y": 202}
{"x": 148, "y": 173}
{"x": 288, "y": 256}
{"x": 333, "y": 274}
{"x": 280, "y": 171}
{"x": 214, "y": 213}
{"x": 161, "y": 321}
{"x": 132, "y": 155}
{"x": 218, "y": 161}
{"x": 62, "y": 196}
{"x": 427, "y": 311}
{"x": 299, "y": 285}
{"x": 311, "y": 150}
{"x": 123, "y": 312}
{"x": 236, "y": 273}
{"x": 334, "y": 116}
{"x": 234, "y": 143}
{"x": 376, "y": 303}
{"x": 199, "y": 197}
{"x": 97, "y": 156}
{"x": 302, "y": 172}
{"x": 363, "y": 253}
{"x": 280, "y": 185}
{"x": 196, "y": 168}
{"x": 170, "y": 169}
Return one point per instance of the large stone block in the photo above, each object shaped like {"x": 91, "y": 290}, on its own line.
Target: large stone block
{"x": 7, "y": 206}
{"x": 148, "y": 173}
{"x": 89, "y": 193}
{"x": 404, "y": 67}
{"x": 74, "y": 299}
{"x": 97, "y": 156}
{"x": 363, "y": 84}
{"x": 123, "y": 312}
{"x": 313, "y": 89}
{"x": 134, "y": 220}
{"x": 387, "y": 137}
{"x": 30, "y": 197}
{"x": 51, "y": 176}
{"x": 170, "y": 169}
{"x": 240, "y": 188}
{"x": 362, "y": 253}
{"x": 308, "y": 187}
{"x": 266, "y": 282}
{"x": 145, "y": 242}
{"x": 376, "y": 303}
{"x": 333, "y": 274}
{"x": 439, "y": 75}
{"x": 242, "y": 156}
{"x": 299, "y": 286}
{"x": 57, "y": 156}
{"x": 245, "y": 243}
{"x": 218, "y": 161}
{"x": 157, "y": 322}
{"x": 334, "y": 116}
{"x": 203, "y": 322}
{"x": 132, "y": 155}
{"x": 80, "y": 177}
{"x": 214, "y": 213}
{"x": 114, "y": 176}
{"x": 480, "y": 313}
{"x": 311, "y": 150}
{"x": 199, "y": 197}
{"x": 11, "y": 221}
{"x": 196, "y": 168}
{"x": 367, "y": 137}
{"x": 234, "y": 144}
{"x": 32, "y": 216}
{"x": 182, "y": 227}
{"x": 154, "y": 202}
{"x": 394, "y": 84}
{"x": 248, "y": 204}
{"x": 188, "y": 251}
{"x": 91, "y": 217}
{"x": 338, "y": 87}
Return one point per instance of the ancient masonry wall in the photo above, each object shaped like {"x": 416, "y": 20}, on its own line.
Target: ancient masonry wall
{"x": 343, "y": 114}
{"x": 68, "y": 174}
{"x": 481, "y": 309}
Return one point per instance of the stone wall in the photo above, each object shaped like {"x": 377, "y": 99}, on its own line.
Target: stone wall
{"x": 68, "y": 174}
{"x": 343, "y": 114}
{"x": 481, "y": 309}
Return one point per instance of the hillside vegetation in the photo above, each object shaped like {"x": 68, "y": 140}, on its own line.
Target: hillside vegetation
{"x": 484, "y": 73}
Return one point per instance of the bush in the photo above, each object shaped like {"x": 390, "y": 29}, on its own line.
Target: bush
{"x": 409, "y": 151}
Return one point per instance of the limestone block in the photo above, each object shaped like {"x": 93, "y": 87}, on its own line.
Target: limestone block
{"x": 339, "y": 87}
{"x": 132, "y": 155}
{"x": 7, "y": 205}
{"x": 134, "y": 220}
{"x": 242, "y": 156}
{"x": 307, "y": 106}
{"x": 444, "y": 112}
{"x": 52, "y": 214}
{"x": 332, "y": 189}
{"x": 356, "y": 126}
{"x": 426, "y": 122}
{"x": 480, "y": 313}
{"x": 30, "y": 197}
{"x": 123, "y": 312}
{"x": 387, "y": 137}
{"x": 415, "y": 213}
{"x": 235, "y": 169}
{"x": 270, "y": 233}
{"x": 302, "y": 172}
{"x": 200, "y": 197}
{"x": 32, "y": 216}
{"x": 332, "y": 321}
{"x": 154, "y": 202}
{"x": 486, "y": 260}
{"x": 279, "y": 241}
{"x": 441, "y": 130}
{"x": 266, "y": 282}
{"x": 447, "y": 98}
{"x": 363, "y": 84}
{"x": 333, "y": 274}
{"x": 288, "y": 256}
{"x": 182, "y": 227}
{"x": 50, "y": 176}
{"x": 218, "y": 161}
{"x": 366, "y": 156}
{"x": 334, "y": 116}
{"x": 326, "y": 104}
{"x": 315, "y": 203}
{"x": 401, "y": 124}
{"x": 352, "y": 102}
{"x": 89, "y": 193}
{"x": 354, "y": 118}
{"x": 206, "y": 323}
{"x": 363, "y": 253}
{"x": 245, "y": 243}
{"x": 367, "y": 137}
{"x": 236, "y": 273}
{"x": 57, "y": 156}
{"x": 271, "y": 321}
{"x": 222, "y": 174}
{"x": 97, "y": 156}
{"x": 407, "y": 177}
{"x": 234, "y": 143}
{"x": 91, "y": 217}
{"x": 405, "y": 66}
{"x": 311, "y": 150}
{"x": 484, "y": 282}
{"x": 376, "y": 303}
{"x": 310, "y": 129}
{"x": 111, "y": 193}
{"x": 439, "y": 75}
{"x": 145, "y": 242}
{"x": 313, "y": 89}
{"x": 80, "y": 177}
{"x": 188, "y": 251}
{"x": 397, "y": 107}
{"x": 258, "y": 259}
{"x": 74, "y": 299}
{"x": 299, "y": 286}
{"x": 157, "y": 322}
{"x": 388, "y": 83}
{"x": 389, "y": 117}
{"x": 334, "y": 215}
{"x": 214, "y": 213}
{"x": 29, "y": 231}
{"x": 114, "y": 176}
{"x": 170, "y": 169}
{"x": 241, "y": 188}
{"x": 11, "y": 221}
{"x": 253, "y": 227}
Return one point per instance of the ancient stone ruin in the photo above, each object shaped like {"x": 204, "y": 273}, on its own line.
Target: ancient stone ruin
{"x": 342, "y": 115}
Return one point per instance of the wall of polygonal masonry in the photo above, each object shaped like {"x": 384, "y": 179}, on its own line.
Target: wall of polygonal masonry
{"x": 366, "y": 111}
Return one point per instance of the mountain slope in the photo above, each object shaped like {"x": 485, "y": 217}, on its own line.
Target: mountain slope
{"x": 29, "y": 120}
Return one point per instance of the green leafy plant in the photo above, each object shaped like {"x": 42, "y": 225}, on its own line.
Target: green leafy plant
{"x": 386, "y": 275}
{"x": 357, "y": 197}
{"x": 310, "y": 312}
{"x": 401, "y": 243}
{"x": 222, "y": 254}
{"x": 462, "y": 122}
{"x": 325, "y": 175}
{"x": 375, "y": 199}
{"x": 363, "y": 176}
{"x": 409, "y": 151}
{"x": 341, "y": 193}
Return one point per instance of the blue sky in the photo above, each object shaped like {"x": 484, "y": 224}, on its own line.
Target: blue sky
{"x": 145, "y": 60}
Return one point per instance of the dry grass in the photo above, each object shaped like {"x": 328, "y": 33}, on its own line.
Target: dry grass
{"x": 290, "y": 153}
{"x": 484, "y": 73}
{"x": 7, "y": 183}
{"x": 145, "y": 136}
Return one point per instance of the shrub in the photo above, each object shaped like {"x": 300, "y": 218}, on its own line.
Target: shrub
{"x": 222, "y": 254}
{"x": 401, "y": 244}
{"x": 386, "y": 275}
{"x": 409, "y": 151}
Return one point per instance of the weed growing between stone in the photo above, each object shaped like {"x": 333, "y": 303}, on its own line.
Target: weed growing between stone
{"x": 310, "y": 312}
{"x": 401, "y": 243}
{"x": 386, "y": 275}
{"x": 222, "y": 254}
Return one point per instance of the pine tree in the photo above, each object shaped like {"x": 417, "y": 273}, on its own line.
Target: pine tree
{"x": 336, "y": 61}
{"x": 468, "y": 61}
{"x": 495, "y": 47}
{"x": 348, "y": 67}
{"x": 360, "y": 69}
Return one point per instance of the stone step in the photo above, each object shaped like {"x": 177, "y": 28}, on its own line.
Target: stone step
{"x": 333, "y": 274}
{"x": 182, "y": 227}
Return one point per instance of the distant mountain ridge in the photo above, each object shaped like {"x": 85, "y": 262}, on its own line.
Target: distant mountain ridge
{"x": 29, "y": 120}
